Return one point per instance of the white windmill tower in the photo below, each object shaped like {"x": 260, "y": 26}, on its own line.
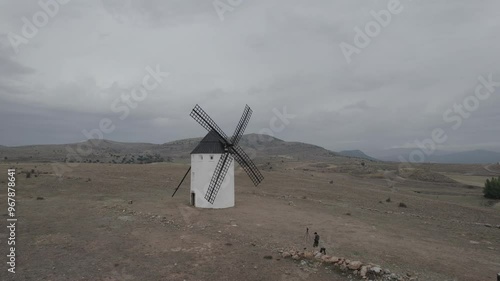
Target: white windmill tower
{"x": 212, "y": 160}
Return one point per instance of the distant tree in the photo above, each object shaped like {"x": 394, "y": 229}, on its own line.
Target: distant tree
{"x": 492, "y": 188}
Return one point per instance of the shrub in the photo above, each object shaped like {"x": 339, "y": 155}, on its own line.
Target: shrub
{"x": 492, "y": 188}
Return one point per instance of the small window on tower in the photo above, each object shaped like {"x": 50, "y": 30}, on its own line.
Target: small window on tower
{"x": 201, "y": 157}
{"x": 211, "y": 157}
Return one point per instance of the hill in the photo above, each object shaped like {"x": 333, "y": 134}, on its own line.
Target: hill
{"x": 357, "y": 154}
{"x": 258, "y": 147}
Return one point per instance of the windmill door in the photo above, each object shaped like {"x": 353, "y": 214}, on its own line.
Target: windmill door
{"x": 192, "y": 198}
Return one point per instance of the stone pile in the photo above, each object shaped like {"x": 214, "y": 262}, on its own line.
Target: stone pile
{"x": 368, "y": 271}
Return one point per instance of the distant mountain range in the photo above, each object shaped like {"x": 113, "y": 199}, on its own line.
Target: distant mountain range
{"x": 357, "y": 154}
{"x": 440, "y": 156}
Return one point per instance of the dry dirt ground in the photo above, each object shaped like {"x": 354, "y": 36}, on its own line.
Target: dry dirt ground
{"x": 85, "y": 228}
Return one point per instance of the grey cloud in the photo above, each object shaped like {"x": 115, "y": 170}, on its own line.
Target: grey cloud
{"x": 268, "y": 54}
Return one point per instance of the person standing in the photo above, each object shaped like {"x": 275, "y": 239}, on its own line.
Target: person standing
{"x": 316, "y": 240}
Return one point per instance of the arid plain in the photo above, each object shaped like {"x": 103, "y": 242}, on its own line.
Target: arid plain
{"x": 119, "y": 222}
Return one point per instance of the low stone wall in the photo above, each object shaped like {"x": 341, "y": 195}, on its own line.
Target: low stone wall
{"x": 367, "y": 271}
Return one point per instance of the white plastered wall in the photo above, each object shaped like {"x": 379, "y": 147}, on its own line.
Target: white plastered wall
{"x": 202, "y": 169}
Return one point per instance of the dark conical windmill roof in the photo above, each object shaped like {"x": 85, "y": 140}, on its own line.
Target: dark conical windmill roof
{"x": 209, "y": 144}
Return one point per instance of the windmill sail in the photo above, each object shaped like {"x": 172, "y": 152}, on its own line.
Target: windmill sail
{"x": 218, "y": 177}
{"x": 244, "y": 160}
{"x": 242, "y": 125}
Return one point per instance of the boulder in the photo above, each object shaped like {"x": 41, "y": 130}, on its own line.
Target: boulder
{"x": 333, "y": 260}
{"x": 296, "y": 257}
{"x": 318, "y": 256}
{"x": 325, "y": 258}
{"x": 308, "y": 255}
{"x": 376, "y": 270}
{"x": 286, "y": 255}
{"x": 363, "y": 271}
{"x": 354, "y": 265}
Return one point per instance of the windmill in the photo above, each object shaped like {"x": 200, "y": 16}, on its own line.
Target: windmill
{"x": 212, "y": 160}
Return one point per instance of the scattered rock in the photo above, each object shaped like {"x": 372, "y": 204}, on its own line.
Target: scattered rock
{"x": 351, "y": 269}
{"x": 228, "y": 244}
{"x": 355, "y": 265}
{"x": 388, "y": 199}
{"x": 333, "y": 260}
{"x": 268, "y": 257}
{"x": 487, "y": 225}
{"x": 286, "y": 255}
{"x": 402, "y": 205}
{"x": 473, "y": 242}
{"x": 363, "y": 271}
{"x": 130, "y": 202}
{"x": 347, "y": 214}
{"x": 40, "y": 198}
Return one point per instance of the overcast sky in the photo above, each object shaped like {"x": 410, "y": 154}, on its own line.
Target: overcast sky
{"x": 269, "y": 54}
